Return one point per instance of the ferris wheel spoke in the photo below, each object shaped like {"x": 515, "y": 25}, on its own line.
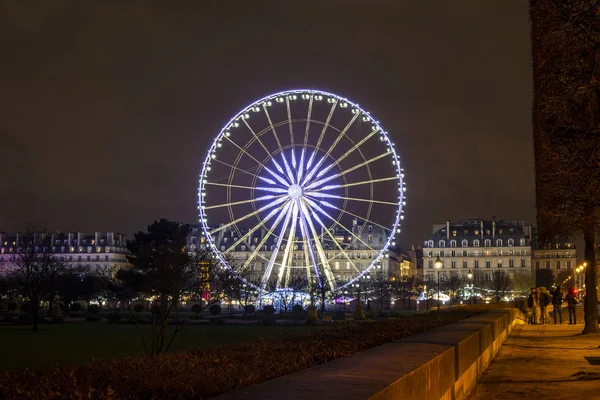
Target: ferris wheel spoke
{"x": 310, "y": 105}
{"x": 324, "y": 188}
{"x": 325, "y": 125}
{"x": 274, "y": 175}
{"x": 320, "y": 251}
{"x": 326, "y": 204}
{"x": 235, "y": 168}
{"x": 267, "y": 274}
{"x": 263, "y": 208}
{"x": 287, "y": 169}
{"x": 305, "y": 244}
{"x": 284, "y": 213}
{"x": 254, "y": 229}
{"x": 346, "y": 171}
{"x": 309, "y": 249}
{"x": 334, "y": 196}
{"x": 285, "y": 262}
{"x": 243, "y": 150}
{"x": 334, "y": 144}
{"x": 289, "y": 115}
{"x": 300, "y": 167}
{"x": 267, "y": 189}
{"x": 342, "y": 251}
{"x": 256, "y": 137}
{"x": 346, "y": 154}
{"x": 272, "y": 127}
{"x": 235, "y": 203}
{"x": 316, "y": 206}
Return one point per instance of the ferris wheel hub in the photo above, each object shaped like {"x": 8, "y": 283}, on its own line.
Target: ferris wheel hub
{"x": 295, "y": 192}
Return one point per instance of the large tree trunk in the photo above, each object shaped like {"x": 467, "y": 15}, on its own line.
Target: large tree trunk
{"x": 591, "y": 298}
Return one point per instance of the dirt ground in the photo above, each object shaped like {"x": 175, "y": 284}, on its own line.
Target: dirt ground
{"x": 544, "y": 361}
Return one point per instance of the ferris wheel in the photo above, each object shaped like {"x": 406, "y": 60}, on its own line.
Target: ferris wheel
{"x": 298, "y": 182}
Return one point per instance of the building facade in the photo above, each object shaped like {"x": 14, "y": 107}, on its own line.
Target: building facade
{"x": 478, "y": 246}
{"x": 358, "y": 253}
{"x": 555, "y": 257}
{"x": 101, "y": 251}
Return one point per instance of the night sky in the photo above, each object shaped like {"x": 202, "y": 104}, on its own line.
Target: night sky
{"x": 108, "y": 107}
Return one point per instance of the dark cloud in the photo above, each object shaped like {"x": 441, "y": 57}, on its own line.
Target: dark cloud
{"x": 108, "y": 106}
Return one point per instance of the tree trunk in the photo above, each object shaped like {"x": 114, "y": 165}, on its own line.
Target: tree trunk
{"x": 590, "y": 304}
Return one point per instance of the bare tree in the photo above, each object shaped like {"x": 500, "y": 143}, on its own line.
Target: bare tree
{"x": 167, "y": 269}
{"x": 36, "y": 270}
{"x": 381, "y": 289}
{"x": 453, "y": 284}
{"x": 566, "y": 54}
{"x": 500, "y": 284}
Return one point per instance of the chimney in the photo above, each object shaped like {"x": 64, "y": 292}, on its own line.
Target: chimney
{"x": 447, "y": 229}
{"x": 96, "y": 238}
{"x": 493, "y": 229}
{"x": 481, "y": 230}
{"x": 70, "y": 238}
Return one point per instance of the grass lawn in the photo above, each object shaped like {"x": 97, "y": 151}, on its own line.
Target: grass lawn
{"x": 64, "y": 344}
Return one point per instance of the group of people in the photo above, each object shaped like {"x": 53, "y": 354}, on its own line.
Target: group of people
{"x": 539, "y": 302}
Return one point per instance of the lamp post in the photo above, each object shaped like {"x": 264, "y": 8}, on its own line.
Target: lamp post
{"x": 470, "y": 278}
{"x": 438, "y": 265}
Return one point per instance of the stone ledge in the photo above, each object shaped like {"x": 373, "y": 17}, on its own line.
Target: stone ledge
{"x": 441, "y": 363}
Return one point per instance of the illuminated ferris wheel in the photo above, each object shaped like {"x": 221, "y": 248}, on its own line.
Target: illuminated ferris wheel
{"x": 298, "y": 181}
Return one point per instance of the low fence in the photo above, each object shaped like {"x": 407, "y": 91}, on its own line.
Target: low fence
{"x": 443, "y": 363}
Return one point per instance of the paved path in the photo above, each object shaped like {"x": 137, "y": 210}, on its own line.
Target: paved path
{"x": 543, "y": 362}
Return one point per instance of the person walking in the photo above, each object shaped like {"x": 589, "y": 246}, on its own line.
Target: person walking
{"x": 534, "y": 305}
{"x": 544, "y": 298}
{"x": 557, "y": 300}
{"x": 571, "y": 304}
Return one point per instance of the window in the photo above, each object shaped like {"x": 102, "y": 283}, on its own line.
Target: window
{"x": 441, "y": 253}
{"x": 430, "y": 253}
{"x": 499, "y": 263}
{"x": 511, "y": 242}
{"x": 453, "y": 253}
{"x": 510, "y": 252}
{"x": 488, "y": 263}
{"x": 476, "y": 264}
{"x": 487, "y": 243}
{"x": 453, "y": 264}
{"x": 537, "y": 265}
{"x": 430, "y": 243}
{"x": 442, "y": 243}
{"x": 522, "y": 242}
{"x": 547, "y": 264}
{"x": 488, "y": 252}
{"x": 337, "y": 265}
{"x": 243, "y": 248}
{"x": 558, "y": 265}
{"x": 430, "y": 264}
{"x": 511, "y": 263}
{"x": 454, "y": 233}
{"x": 476, "y": 243}
{"x": 476, "y": 232}
{"x": 569, "y": 264}
{"x": 523, "y": 263}
{"x": 78, "y": 258}
{"x": 498, "y": 242}
{"x": 88, "y": 258}
{"x": 464, "y": 263}
{"x": 465, "y": 253}
{"x": 465, "y": 243}
{"x": 453, "y": 242}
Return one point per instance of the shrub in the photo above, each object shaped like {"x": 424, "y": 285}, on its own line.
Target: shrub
{"x": 144, "y": 377}
{"x": 94, "y": 308}
{"x": 12, "y": 306}
{"x": 76, "y": 307}
{"x": 26, "y": 307}
{"x": 269, "y": 310}
{"x": 297, "y": 309}
{"x": 215, "y": 309}
{"x": 197, "y": 308}
{"x": 250, "y": 309}
{"x": 114, "y": 318}
{"x": 138, "y": 308}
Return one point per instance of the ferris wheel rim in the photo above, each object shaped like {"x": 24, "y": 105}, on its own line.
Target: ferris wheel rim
{"x": 206, "y": 231}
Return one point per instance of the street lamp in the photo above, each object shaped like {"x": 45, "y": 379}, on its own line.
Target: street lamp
{"x": 438, "y": 265}
{"x": 470, "y": 278}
